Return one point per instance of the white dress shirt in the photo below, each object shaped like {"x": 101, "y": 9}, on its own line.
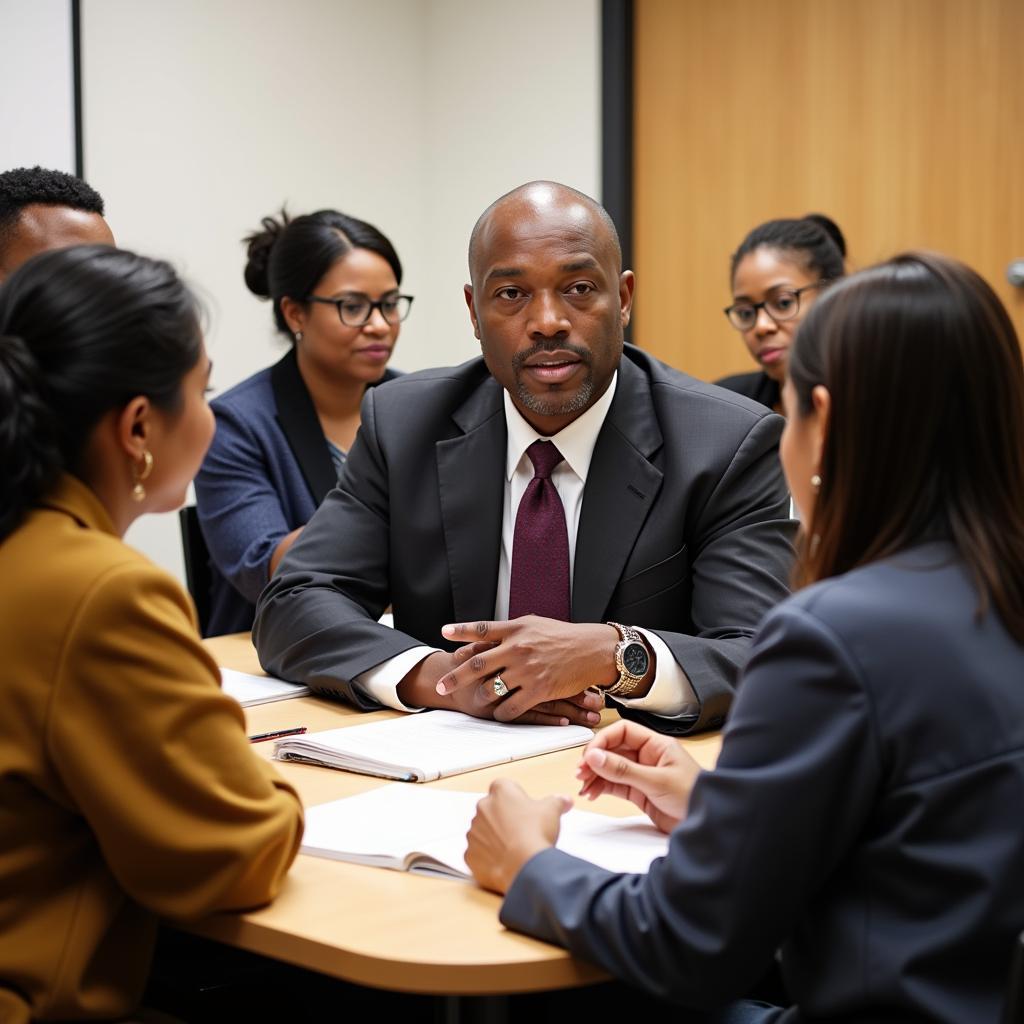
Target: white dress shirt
{"x": 670, "y": 694}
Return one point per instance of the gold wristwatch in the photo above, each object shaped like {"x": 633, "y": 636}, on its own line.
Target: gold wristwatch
{"x": 632, "y": 661}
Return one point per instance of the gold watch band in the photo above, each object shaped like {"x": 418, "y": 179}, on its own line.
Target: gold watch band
{"x": 627, "y": 682}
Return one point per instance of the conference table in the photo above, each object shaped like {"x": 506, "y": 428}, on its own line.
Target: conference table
{"x": 390, "y": 929}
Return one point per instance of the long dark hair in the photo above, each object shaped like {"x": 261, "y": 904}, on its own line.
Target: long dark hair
{"x": 926, "y": 429}
{"x": 82, "y": 331}
{"x": 287, "y": 257}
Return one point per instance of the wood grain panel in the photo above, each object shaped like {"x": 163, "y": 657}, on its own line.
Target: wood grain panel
{"x": 901, "y": 119}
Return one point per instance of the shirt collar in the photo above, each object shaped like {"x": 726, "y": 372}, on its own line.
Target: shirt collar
{"x": 576, "y": 441}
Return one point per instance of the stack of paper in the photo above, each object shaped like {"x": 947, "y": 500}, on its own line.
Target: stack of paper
{"x": 418, "y": 748}
{"x": 249, "y": 690}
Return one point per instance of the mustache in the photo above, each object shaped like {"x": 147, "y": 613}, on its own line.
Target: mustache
{"x": 584, "y": 355}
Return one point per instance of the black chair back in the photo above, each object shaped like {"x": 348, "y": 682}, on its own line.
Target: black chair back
{"x": 197, "y": 563}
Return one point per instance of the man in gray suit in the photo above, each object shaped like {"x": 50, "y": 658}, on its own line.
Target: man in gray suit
{"x": 566, "y": 512}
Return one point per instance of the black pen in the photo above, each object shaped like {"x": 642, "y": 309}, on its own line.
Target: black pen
{"x": 277, "y": 734}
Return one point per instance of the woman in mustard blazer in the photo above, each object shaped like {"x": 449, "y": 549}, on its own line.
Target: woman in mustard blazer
{"x": 127, "y": 786}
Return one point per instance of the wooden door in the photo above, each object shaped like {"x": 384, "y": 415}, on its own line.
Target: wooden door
{"x": 903, "y": 120}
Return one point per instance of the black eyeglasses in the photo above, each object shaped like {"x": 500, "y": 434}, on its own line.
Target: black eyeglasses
{"x": 356, "y": 310}
{"x": 783, "y": 305}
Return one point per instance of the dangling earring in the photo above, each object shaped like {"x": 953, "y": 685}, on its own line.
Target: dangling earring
{"x": 298, "y": 337}
{"x": 138, "y": 491}
{"x": 816, "y": 482}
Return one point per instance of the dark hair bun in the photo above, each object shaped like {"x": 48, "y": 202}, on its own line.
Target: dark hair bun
{"x": 259, "y": 245}
{"x": 85, "y": 329}
{"x": 30, "y": 459}
{"x": 288, "y": 258}
{"x": 831, "y": 228}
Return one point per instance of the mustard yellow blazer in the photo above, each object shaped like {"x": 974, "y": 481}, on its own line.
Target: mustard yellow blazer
{"x": 127, "y": 786}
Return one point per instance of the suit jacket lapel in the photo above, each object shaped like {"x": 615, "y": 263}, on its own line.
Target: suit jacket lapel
{"x": 301, "y": 427}
{"x": 471, "y": 477}
{"x": 622, "y": 484}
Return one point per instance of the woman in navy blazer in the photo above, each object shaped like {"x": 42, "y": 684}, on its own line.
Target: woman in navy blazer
{"x": 865, "y": 814}
{"x": 282, "y": 434}
{"x": 776, "y": 274}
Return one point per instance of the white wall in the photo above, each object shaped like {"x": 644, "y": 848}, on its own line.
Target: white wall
{"x": 37, "y": 111}
{"x": 512, "y": 94}
{"x": 201, "y": 116}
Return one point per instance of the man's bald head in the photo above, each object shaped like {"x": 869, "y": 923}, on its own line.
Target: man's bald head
{"x": 42, "y": 210}
{"x": 545, "y": 201}
{"x": 549, "y": 300}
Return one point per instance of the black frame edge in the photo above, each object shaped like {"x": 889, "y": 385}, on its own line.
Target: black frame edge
{"x": 76, "y": 71}
{"x": 617, "y": 119}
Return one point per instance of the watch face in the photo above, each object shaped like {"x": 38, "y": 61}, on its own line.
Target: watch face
{"x": 635, "y": 659}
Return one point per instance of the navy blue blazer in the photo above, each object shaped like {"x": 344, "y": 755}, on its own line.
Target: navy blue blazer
{"x": 864, "y": 816}
{"x": 266, "y": 472}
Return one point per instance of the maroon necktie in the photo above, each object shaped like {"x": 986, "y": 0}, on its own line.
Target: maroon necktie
{"x": 540, "y": 544}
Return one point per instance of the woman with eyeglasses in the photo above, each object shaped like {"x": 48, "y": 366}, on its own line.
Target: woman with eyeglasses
{"x": 864, "y": 816}
{"x": 777, "y": 272}
{"x": 128, "y": 788}
{"x": 282, "y": 434}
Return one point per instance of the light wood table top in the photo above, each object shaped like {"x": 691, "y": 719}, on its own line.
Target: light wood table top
{"x": 390, "y": 929}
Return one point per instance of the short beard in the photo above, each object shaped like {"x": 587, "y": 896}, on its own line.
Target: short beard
{"x": 556, "y": 405}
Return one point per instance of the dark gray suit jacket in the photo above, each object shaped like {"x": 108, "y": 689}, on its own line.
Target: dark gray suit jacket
{"x": 865, "y": 815}
{"x": 684, "y": 529}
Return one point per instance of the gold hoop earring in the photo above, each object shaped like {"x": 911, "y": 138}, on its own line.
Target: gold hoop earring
{"x": 138, "y": 491}
{"x": 816, "y": 482}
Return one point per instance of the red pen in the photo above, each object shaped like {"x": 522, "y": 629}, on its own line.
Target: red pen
{"x": 277, "y": 734}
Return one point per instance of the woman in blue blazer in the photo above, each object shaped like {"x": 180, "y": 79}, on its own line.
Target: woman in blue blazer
{"x": 865, "y": 814}
{"x": 282, "y": 434}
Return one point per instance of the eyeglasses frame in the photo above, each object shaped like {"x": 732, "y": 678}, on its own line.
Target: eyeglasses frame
{"x": 379, "y": 304}
{"x": 755, "y": 306}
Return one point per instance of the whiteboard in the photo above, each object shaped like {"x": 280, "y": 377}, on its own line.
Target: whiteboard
{"x": 37, "y": 83}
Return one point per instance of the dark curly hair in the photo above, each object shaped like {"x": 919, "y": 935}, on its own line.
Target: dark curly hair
{"x": 28, "y": 186}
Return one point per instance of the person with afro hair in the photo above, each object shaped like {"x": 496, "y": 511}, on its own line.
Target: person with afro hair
{"x": 42, "y": 209}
